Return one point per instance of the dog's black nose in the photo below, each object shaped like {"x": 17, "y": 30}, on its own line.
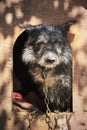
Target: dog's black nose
{"x": 50, "y": 61}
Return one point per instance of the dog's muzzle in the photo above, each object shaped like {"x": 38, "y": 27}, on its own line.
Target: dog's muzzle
{"x": 49, "y": 60}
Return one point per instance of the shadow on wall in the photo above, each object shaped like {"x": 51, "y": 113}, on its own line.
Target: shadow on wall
{"x": 3, "y": 119}
{"x": 20, "y": 11}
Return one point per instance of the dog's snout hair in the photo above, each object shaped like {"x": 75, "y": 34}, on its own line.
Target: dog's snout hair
{"x": 49, "y": 56}
{"x": 49, "y": 59}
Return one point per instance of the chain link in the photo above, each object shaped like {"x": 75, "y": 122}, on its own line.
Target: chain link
{"x": 30, "y": 117}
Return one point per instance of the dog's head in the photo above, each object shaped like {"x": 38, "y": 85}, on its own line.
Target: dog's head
{"x": 47, "y": 45}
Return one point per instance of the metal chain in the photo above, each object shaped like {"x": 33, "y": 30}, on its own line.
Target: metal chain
{"x": 30, "y": 117}
{"x": 51, "y": 125}
{"x": 48, "y": 111}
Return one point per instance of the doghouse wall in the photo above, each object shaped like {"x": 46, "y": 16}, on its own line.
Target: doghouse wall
{"x": 15, "y": 12}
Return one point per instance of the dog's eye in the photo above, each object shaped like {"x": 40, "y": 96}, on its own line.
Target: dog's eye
{"x": 37, "y": 47}
{"x": 39, "y": 43}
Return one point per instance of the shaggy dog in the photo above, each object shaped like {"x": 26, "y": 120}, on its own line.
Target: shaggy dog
{"x": 42, "y": 61}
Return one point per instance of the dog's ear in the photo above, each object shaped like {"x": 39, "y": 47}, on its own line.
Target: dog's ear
{"x": 29, "y": 26}
{"x": 66, "y": 25}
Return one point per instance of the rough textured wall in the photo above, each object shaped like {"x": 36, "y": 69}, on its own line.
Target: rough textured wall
{"x": 13, "y": 12}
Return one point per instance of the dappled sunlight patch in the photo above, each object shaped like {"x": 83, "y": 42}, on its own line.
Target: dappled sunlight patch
{"x": 56, "y": 4}
{"x": 66, "y": 4}
{"x": 9, "y": 18}
{"x": 77, "y": 106}
{"x": 5, "y": 41}
{"x": 35, "y": 20}
{"x": 76, "y": 10}
{"x": 5, "y": 53}
{"x": 81, "y": 57}
{"x": 18, "y": 12}
{"x": 17, "y": 30}
{"x": 80, "y": 29}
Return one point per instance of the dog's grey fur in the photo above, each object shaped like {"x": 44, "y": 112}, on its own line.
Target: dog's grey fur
{"x": 43, "y": 62}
